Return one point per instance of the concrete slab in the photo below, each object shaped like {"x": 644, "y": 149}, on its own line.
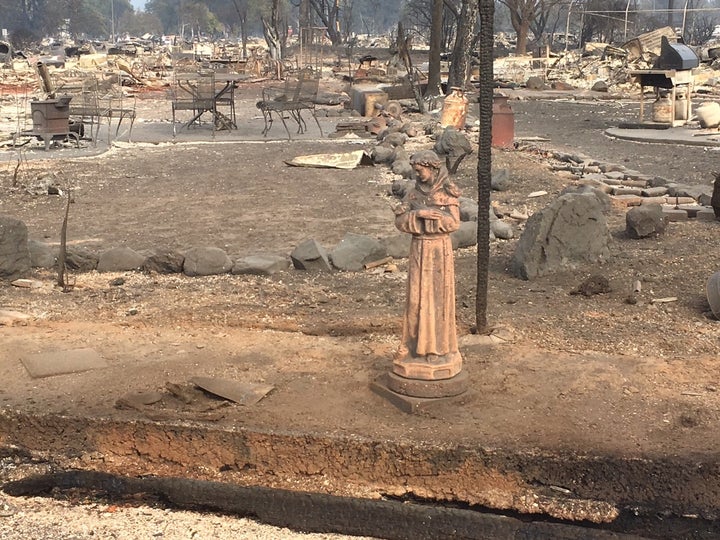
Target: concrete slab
{"x": 48, "y": 364}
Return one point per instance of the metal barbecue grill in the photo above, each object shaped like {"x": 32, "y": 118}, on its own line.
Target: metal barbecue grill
{"x": 677, "y": 56}
{"x": 672, "y": 80}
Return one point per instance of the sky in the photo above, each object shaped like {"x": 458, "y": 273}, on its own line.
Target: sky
{"x": 138, "y": 4}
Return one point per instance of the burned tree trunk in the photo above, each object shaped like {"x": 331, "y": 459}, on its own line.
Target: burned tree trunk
{"x": 403, "y": 46}
{"x": 434, "y": 88}
{"x": 484, "y": 168}
{"x": 460, "y": 60}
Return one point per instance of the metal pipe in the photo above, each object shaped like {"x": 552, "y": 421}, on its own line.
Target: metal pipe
{"x": 627, "y": 8}
{"x": 567, "y": 24}
{"x": 45, "y": 79}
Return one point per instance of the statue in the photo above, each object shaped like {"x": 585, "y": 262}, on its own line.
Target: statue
{"x": 429, "y": 212}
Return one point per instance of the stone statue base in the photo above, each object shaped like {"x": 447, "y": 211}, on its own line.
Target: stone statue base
{"x": 428, "y": 368}
{"x": 453, "y": 386}
{"x": 414, "y": 396}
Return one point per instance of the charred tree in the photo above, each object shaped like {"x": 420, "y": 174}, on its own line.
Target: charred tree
{"x": 484, "y": 165}
{"x": 434, "y": 87}
{"x": 464, "y": 38}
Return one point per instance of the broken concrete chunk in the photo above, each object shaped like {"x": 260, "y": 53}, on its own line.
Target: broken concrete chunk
{"x": 51, "y": 363}
{"x": 242, "y": 393}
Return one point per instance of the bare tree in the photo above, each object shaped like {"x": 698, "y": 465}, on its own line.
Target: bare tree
{"x": 464, "y": 38}
{"x": 275, "y": 31}
{"x": 241, "y": 8}
{"x": 526, "y": 13}
{"x": 433, "y": 85}
{"x": 328, "y": 11}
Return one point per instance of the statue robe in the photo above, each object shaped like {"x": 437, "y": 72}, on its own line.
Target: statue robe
{"x": 429, "y": 322}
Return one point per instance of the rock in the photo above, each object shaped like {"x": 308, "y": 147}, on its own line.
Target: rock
{"x": 164, "y": 262}
{"x": 598, "y": 192}
{"x": 572, "y": 229}
{"x": 119, "y": 259}
{"x": 535, "y": 83}
{"x": 560, "y": 85}
{"x": 454, "y": 145}
{"x": 465, "y": 236}
{"x": 403, "y": 168}
{"x": 715, "y": 197}
{"x": 261, "y": 265}
{"x": 656, "y": 191}
{"x": 600, "y": 86}
{"x": 206, "y": 261}
{"x": 658, "y": 181}
{"x": 713, "y": 293}
{"x": 468, "y": 209}
{"x": 14, "y": 252}
{"x": 500, "y": 180}
{"x": 311, "y": 256}
{"x": 645, "y": 220}
{"x": 595, "y": 284}
{"x": 399, "y": 188}
{"x": 355, "y": 250}
{"x": 610, "y": 167}
{"x": 80, "y": 259}
{"x": 42, "y": 255}
{"x": 383, "y": 154}
{"x": 502, "y": 230}
{"x": 395, "y": 139}
{"x": 401, "y": 154}
{"x": 397, "y": 246}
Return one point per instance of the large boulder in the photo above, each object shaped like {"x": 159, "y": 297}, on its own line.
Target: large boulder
{"x": 570, "y": 230}
{"x": 14, "y": 252}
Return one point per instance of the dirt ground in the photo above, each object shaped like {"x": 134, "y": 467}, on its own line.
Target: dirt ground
{"x": 584, "y": 373}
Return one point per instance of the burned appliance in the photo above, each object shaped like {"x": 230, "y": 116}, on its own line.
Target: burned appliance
{"x": 51, "y": 116}
{"x": 672, "y": 81}
{"x": 51, "y": 121}
{"x": 677, "y": 56}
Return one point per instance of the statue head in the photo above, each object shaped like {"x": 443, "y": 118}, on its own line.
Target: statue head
{"x": 426, "y": 158}
{"x": 426, "y": 165}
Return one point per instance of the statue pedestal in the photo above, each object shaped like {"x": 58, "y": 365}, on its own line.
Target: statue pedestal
{"x": 438, "y": 368}
{"x": 416, "y": 396}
